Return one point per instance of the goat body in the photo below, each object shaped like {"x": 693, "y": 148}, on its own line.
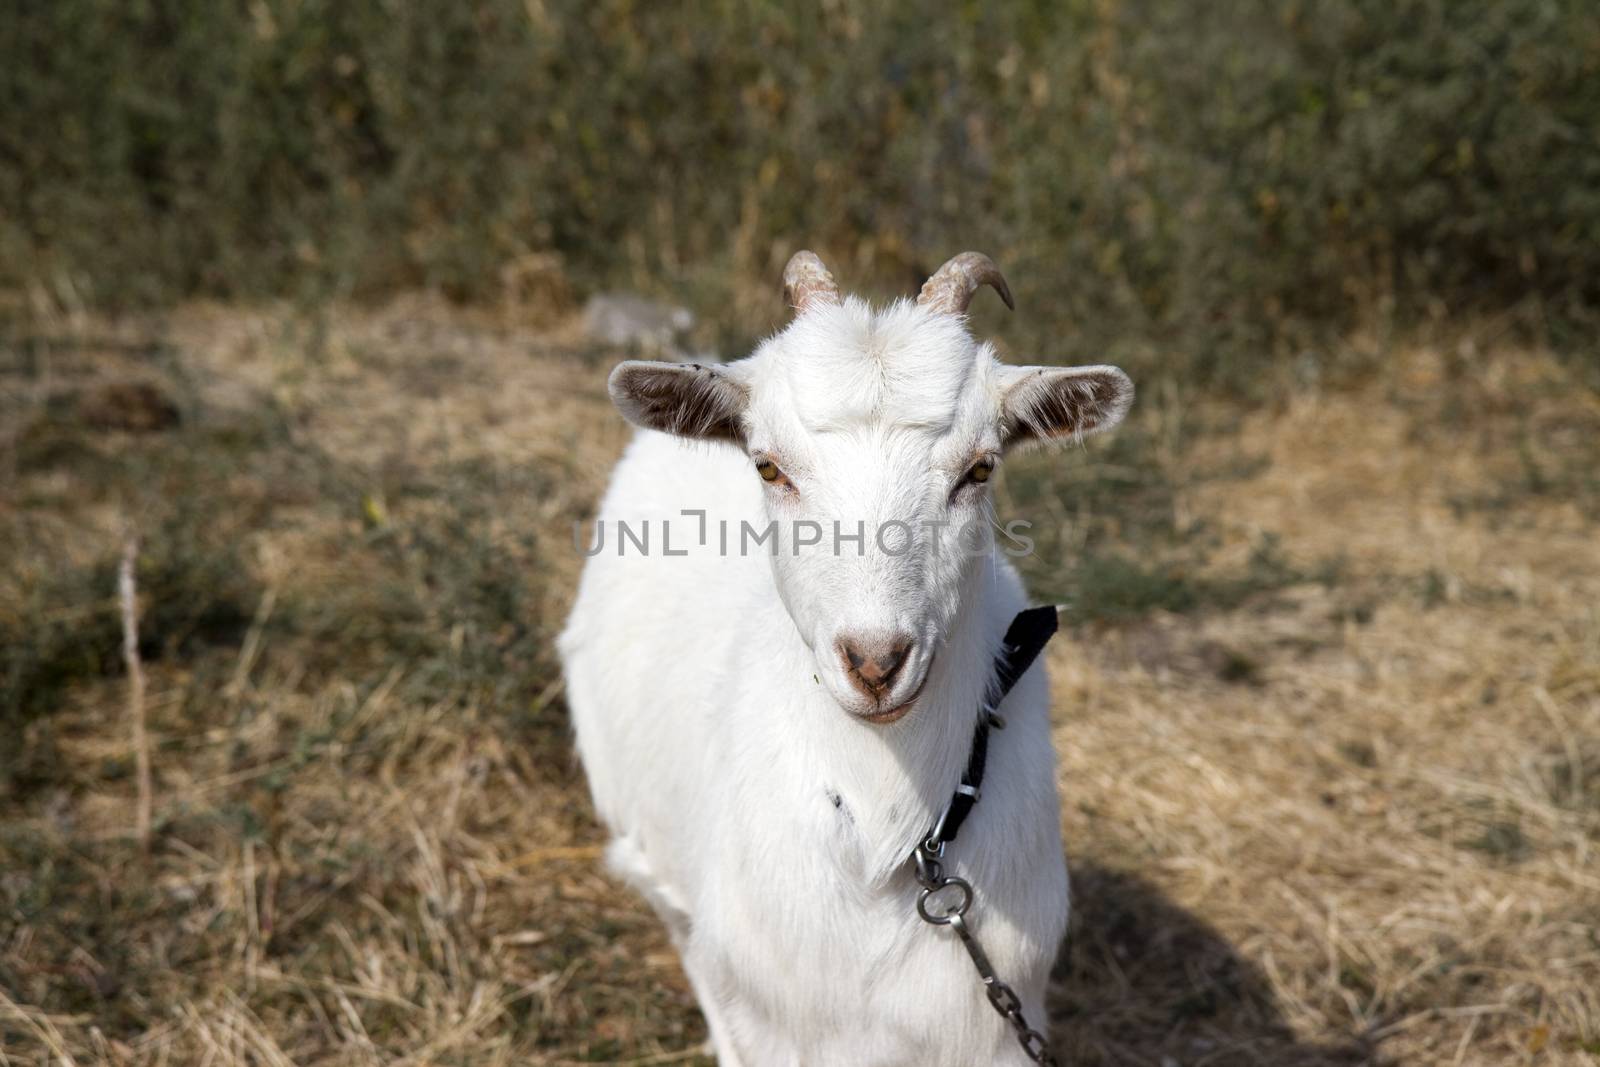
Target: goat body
{"x": 758, "y": 793}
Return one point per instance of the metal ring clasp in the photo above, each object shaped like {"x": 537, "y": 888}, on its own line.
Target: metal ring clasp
{"x": 945, "y": 917}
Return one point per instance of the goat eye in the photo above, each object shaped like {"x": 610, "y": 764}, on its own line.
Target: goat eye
{"x": 768, "y": 470}
{"x": 981, "y": 470}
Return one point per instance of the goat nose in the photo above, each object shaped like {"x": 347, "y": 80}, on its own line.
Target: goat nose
{"x": 873, "y": 664}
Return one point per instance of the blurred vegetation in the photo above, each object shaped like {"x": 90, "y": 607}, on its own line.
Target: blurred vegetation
{"x": 429, "y": 574}
{"x": 1201, "y": 188}
{"x": 1109, "y": 542}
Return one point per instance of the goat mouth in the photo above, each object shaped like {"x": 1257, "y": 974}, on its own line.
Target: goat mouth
{"x": 898, "y": 712}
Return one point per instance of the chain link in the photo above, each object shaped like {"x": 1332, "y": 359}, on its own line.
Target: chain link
{"x": 930, "y": 875}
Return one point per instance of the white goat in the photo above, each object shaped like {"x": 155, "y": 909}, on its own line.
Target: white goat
{"x": 770, "y": 727}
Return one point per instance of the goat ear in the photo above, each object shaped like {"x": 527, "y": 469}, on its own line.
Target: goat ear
{"x": 685, "y": 399}
{"x": 1044, "y": 403}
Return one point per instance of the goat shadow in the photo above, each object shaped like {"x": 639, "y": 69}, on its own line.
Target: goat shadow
{"x": 1140, "y": 981}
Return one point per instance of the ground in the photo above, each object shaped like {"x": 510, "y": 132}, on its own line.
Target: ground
{"x": 1328, "y": 709}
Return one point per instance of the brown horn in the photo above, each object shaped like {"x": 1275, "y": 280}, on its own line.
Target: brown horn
{"x": 807, "y": 283}
{"x": 952, "y": 285}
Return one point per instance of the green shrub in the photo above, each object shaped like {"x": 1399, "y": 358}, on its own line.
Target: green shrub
{"x": 1199, "y": 187}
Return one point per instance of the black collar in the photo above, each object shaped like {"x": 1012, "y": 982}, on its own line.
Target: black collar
{"x": 1024, "y": 640}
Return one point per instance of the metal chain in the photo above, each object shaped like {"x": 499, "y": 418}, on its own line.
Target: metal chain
{"x": 930, "y": 875}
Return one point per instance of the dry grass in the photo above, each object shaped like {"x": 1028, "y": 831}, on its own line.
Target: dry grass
{"x": 1342, "y": 808}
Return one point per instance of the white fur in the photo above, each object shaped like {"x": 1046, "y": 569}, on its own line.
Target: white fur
{"x": 718, "y": 725}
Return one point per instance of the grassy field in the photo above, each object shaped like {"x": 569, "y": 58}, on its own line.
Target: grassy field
{"x": 1328, "y": 716}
